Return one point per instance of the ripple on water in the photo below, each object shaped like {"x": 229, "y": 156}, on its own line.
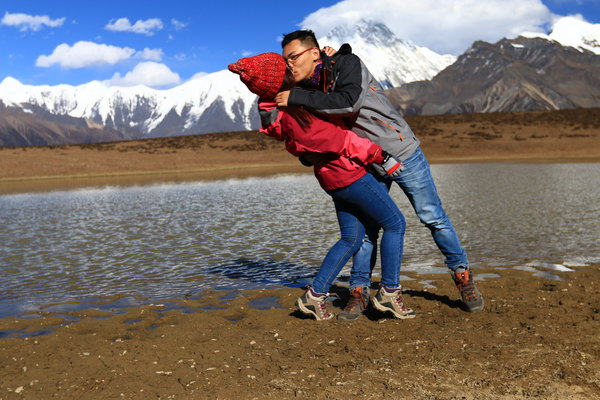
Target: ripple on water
{"x": 175, "y": 240}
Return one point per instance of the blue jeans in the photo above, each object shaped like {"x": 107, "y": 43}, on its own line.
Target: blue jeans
{"x": 363, "y": 205}
{"x": 417, "y": 183}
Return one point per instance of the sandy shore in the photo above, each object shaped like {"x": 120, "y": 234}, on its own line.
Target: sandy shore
{"x": 536, "y": 339}
{"x": 560, "y": 136}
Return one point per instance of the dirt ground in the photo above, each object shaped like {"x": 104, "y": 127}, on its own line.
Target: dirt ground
{"x": 536, "y": 339}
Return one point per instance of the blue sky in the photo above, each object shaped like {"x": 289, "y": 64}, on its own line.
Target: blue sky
{"x": 164, "y": 43}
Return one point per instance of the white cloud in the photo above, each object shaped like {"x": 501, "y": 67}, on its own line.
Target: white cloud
{"x": 180, "y": 57}
{"x": 178, "y": 25}
{"x": 146, "y": 27}
{"x": 31, "y": 22}
{"x": 147, "y": 73}
{"x": 150, "y": 54}
{"x": 84, "y": 54}
{"x": 445, "y": 26}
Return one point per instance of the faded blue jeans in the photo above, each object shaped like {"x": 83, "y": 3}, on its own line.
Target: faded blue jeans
{"x": 418, "y": 185}
{"x": 363, "y": 205}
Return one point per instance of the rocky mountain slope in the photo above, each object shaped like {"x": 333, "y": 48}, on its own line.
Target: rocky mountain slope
{"x": 526, "y": 73}
{"x": 19, "y": 128}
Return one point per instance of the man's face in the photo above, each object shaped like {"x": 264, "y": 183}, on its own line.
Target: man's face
{"x": 301, "y": 59}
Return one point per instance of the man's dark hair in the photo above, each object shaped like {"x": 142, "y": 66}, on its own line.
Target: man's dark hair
{"x": 307, "y": 37}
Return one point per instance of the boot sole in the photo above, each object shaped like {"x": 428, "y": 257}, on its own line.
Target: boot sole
{"x": 383, "y": 308}
{"x": 349, "y": 317}
{"x": 474, "y": 309}
{"x": 311, "y": 313}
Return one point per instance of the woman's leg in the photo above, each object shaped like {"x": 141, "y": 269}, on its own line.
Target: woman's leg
{"x": 378, "y": 208}
{"x": 365, "y": 258}
{"x": 352, "y": 232}
{"x": 374, "y": 206}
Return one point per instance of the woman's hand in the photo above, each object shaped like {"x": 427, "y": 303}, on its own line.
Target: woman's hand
{"x": 330, "y": 51}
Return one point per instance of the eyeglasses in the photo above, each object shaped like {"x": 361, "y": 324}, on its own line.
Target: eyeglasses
{"x": 294, "y": 58}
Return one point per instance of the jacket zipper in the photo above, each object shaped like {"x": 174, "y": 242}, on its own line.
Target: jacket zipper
{"x": 389, "y": 126}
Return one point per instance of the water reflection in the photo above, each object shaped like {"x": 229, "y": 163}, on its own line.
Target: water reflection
{"x": 173, "y": 240}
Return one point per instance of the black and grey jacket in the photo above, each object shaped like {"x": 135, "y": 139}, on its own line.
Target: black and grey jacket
{"x": 350, "y": 93}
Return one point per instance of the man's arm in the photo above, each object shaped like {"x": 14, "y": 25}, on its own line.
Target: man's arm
{"x": 349, "y": 92}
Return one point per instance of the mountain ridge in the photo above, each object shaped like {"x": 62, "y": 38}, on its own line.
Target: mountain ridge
{"x": 219, "y": 102}
{"x": 511, "y": 75}
{"x": 215, "y": 102}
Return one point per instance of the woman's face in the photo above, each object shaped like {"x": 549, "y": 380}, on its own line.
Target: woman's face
{"x": 301, "y": 59}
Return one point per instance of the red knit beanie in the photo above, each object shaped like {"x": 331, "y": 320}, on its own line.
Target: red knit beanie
{"x": 263, "y": 74}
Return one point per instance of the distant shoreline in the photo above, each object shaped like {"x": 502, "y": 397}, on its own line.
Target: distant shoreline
{"x": 28, "y": 184}
{"x": 540, "y": 137}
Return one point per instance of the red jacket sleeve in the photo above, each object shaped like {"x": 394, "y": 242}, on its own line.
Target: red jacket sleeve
{"x": 324, "y": 137}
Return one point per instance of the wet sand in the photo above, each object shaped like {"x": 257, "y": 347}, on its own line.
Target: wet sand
{"x": 536, "y": 338}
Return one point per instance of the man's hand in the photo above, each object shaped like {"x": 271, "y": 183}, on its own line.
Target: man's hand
{"x": 392, "y": 167}
{"x": 281, "y": 98}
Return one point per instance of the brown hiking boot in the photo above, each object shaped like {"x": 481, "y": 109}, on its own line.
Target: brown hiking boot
{"x": 390, "y": 300}
{"x": 471, "y": 298}
{"x": 311, "y": 303}
{"x": 359, "y": 300}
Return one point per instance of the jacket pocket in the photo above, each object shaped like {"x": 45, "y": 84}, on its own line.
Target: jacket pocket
{"x": 388, "y": 126}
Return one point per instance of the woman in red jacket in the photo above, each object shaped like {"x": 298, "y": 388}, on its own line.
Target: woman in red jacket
{"x": 341, "y": 163}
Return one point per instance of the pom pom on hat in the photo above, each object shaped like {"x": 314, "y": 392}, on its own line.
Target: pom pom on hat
{"x": 262, "y": 74}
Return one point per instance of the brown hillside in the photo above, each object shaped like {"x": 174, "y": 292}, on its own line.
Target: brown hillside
{"x": 548, "y": 136}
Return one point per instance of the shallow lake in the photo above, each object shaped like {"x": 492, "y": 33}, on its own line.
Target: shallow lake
{"x": 174, "y": 240}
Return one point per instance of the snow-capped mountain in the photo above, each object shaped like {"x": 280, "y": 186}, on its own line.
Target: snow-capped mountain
{"x": 431, "y": 83}
{"x": 530, "y": 72}
{"x": 573, "y": 32}
{"x": 215, "y": 102}
{"x": 391, "y": 60}
{"x": 518, "y": 74}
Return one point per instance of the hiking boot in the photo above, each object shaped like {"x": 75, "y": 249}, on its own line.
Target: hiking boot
{"x": 311, "y": 303}
{"x": 471, "y": 298}
{"x": 359, "y": 299}
{"x": 391, "y": 300}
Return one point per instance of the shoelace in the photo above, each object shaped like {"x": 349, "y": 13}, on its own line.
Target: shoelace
{"x": 324, "y": 310}
{"x": 355, "y": 301}
{"x": 465, "y": 286}
{"x": 400, "y": 301}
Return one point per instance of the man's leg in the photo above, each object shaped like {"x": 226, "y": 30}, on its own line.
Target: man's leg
{"x": 364, "y": 259}
{"x": 417, "y": 183}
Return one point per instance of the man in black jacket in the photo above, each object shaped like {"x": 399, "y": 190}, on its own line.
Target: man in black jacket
{"x": 340, "y": 88}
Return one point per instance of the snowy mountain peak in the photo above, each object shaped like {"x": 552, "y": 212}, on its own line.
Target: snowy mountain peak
{"x": 151, "y": 112}
{"x": 10, "y": 83}
{"x": 391, "y": 60}
{"x": 214, "y": 102}
{"x": 573, "y": 31}
{"x": 372, "y": 32}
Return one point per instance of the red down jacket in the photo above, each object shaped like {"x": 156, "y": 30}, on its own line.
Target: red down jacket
{"x": 348, "y": 156}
